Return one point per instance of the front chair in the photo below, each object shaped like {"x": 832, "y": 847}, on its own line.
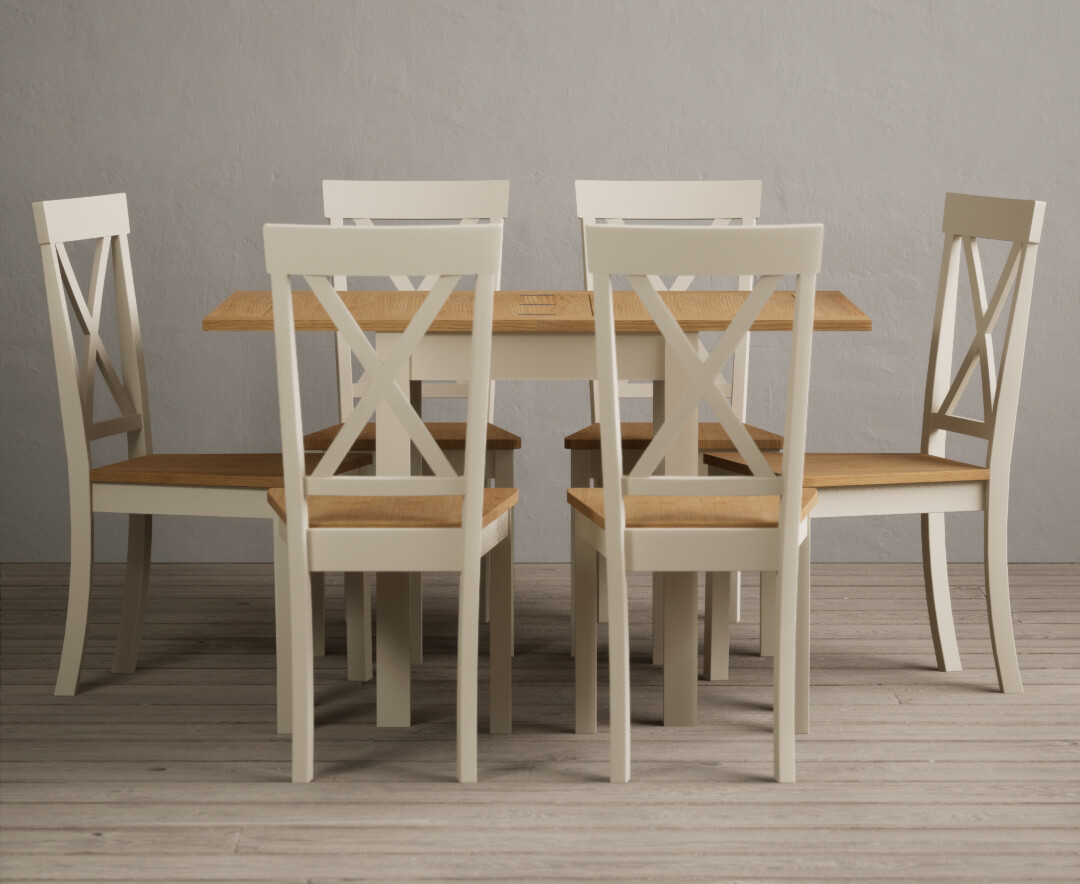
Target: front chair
{"x": 875, "y": 483}
{"x": 365, "y": 204}
{"x": 146, "y": 484}
{"x": 719, "y": 204}
{"x": 443, "y": 522}
{"x": 647, "y": 522}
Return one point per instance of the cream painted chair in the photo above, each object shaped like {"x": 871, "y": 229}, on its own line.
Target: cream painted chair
{"x": 645, "y": 522}
{"x": 446, "y": 521}
{"x": 874, "y": 484}
{"x": 718, "y": 203}
{"x": 364, "y": 203}
{"x": 146, "y": 484}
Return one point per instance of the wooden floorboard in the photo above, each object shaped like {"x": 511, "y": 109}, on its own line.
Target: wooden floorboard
{"x": 175, "y": 773}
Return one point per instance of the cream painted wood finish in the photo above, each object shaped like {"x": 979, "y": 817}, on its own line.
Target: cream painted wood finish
{"x": 147, "y": 484}
{"x": 351, "y": 542}
{"x": 615, "y": 202}
{"x": 638, "y": 253}
{"x": 927, "y": 483}
{"x": 364, "y": 204}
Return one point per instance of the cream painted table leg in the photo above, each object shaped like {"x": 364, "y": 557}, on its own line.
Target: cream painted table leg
{"x": 416, "y": 594}
{"x": 658, "y": 579}
{"x": 393, "y": 647}
{"x": 680, "y": 594}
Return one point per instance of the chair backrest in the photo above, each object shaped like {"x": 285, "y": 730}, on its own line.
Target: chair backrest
{"x": 967, "y": 220}
{"x": 318, "y": 253}
{"x": 768, "y": 252}
{"x": 103, "y": 219}
{"x": 365, "y": 202}
{"x": 716, "y": 202}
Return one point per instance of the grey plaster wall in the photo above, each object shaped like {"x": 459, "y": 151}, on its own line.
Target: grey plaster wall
{"x": 216, "y": 117}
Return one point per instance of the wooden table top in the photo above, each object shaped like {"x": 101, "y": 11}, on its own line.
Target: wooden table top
{"x": 531, "y": 312}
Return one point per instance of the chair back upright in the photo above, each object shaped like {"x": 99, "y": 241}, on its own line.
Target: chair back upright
{"x": 640, "y": 252}
{"x": 718, "y": 203}
{"x": 364, "y": 203}
{"x": 445, "y": 254}
{"x": 967, "y": 220}
{"x": 104, "y": 220}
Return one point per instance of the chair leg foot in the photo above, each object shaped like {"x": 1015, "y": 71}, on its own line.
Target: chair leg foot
{"x": 358, "y": 626}
{"x": 998, "y": 607}
{"x": 938, "y": 599}
{"x": 78, "y": 607}
{"x": 136, "y": 584}
{"x": 718, "y": 589}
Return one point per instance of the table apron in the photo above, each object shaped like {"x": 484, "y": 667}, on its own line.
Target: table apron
{"x": 544, "y": 356}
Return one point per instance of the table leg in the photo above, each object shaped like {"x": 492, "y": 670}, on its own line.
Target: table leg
{"x": 393, "y": 589}
{"x": 680, "y": 650}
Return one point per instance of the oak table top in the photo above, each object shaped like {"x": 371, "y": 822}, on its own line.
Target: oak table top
{"x": 536, "y": 312}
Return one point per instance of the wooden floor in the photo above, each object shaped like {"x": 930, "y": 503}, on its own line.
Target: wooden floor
{"x": 175, "y": 773}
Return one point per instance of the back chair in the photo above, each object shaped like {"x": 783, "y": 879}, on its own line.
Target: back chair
{"x": 718, "y": 203}
{"x": 928, "y": 483}
{"x": 145, "y": 484}
{"x": 445, "y": 521}
{"x": 645, "y": 522}
{"x": 364, "y": 204}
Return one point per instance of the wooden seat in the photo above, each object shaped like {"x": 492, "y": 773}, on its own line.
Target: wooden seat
{"x": 427, "y": 511}
{"x": 208, "y": 470}
{"x": 836, "y": 470}
{"x": 449, "y": 435}
{"x": 663, "y": 511}
{"x": 637, "y": 436}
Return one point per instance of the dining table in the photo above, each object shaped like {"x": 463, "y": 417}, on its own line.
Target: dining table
{"x": 538, "y": 336}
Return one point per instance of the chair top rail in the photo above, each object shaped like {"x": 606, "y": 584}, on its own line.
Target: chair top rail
{"x": 89, "y": 217}
{"x": 416, "y": 200}
{"x": 668, "y": 200}
{"x": 315, "y": 249}
{"x": 705, "y": 251}
{"x": 988, "y": 217}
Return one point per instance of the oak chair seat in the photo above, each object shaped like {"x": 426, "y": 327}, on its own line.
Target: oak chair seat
{"x": 449, "y": 435}
{"x": 712, "y": 511}
{"x": 837, "y": 470}
{"x": 208, "y": 470}
{"x": 423, "y": 511}
{"x": 637, "y": 436}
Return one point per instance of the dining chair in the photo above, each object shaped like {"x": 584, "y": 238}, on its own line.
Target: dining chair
{"x": 445, "y": 521}
{"x": 365, "y": 204}
{"x": 644, "y": 522}
{"x": 145, "y": 484}
{"x": 927, "y": 483}
{"x": 718, "y": 203}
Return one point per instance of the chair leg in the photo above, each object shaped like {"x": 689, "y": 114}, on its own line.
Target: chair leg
{"x": 136, "y": 584}
{"x": 735, "y": 605}
{"x": 318, "y": 613}
{"x": 784, "y": 675}
{"x": 504, "y": 478}
{"x": 416, "y": 619}
{"x": 468, "y": 665}
{"x": 585, "y": 636}
{"x": 302, "y": 661}
{"x": 768, "y": 614}
{"x": 619, "y": 669}
{"x": 485, "y": 581}
{"x": 938, "y": 599}
{"x": 283, "y": 630}
{"x": 580, "y": 477}
{"x": 78, "y": 607}
{"x": 802, "y": 641}
{"x": 358, "y": 626}
{"x": 658, "y": 619}
{"x": 718, "y": 588}
{"x": 500, "y": 634}
{"x": 998, "y": 607}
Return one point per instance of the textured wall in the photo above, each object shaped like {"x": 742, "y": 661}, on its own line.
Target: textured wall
{"x": 217, "y": 117}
